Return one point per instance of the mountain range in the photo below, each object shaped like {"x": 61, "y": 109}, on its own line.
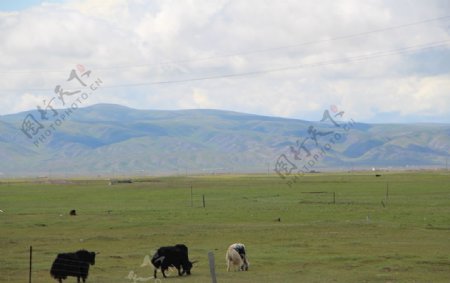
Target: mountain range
{"x": 113, "y": 140}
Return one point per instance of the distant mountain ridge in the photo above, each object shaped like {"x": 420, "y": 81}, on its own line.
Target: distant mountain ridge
{"x": 108, "y": 140}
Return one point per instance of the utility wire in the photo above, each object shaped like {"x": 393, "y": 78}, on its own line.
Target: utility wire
{"x": 241, "y": 53}
{"x": 358, "y": 58}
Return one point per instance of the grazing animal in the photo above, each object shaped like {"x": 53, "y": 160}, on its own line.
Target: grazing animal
{"x": 72, "y": 264}
{"x": 176, "y": 256}
{"x": 73, "y": 212}
{"x": 377, "y": 175}
{"x": 237, "y": 257}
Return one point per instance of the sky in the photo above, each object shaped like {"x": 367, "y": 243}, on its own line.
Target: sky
{"x": 379, "y": 61}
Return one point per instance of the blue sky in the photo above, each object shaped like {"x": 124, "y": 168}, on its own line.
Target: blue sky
{"x": 17, "y": 5}
{"x": 380, "y": 61}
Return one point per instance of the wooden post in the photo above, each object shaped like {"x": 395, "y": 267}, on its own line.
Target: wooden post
{"x": 192, "y": 200}
{"x": 204, "y": 204}
{"x": 212, "y": 267}
{"x": 334, "y": 197}
{"x": 31, "y": 263}
{"x": 387, "y": 192}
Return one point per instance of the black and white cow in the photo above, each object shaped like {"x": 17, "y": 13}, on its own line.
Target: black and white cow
{"x": 176, "y": 256}
{"x": 236, "y": 257}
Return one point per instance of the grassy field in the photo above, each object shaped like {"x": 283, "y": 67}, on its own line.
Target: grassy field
{"x": 362, "y": 236}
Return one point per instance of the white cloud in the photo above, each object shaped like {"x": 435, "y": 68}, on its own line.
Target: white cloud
{"x": 197, "y": 99}
{"x": 126, "y": 42}
{"x": 431, "y": 96}
{"x": 29, "y": 101}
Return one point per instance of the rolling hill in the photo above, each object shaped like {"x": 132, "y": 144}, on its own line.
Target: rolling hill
{"x": 113, "y": 140}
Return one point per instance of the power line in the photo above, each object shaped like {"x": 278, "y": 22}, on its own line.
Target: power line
{"x": 242, "y": 52}
{"x": 281, "y": 69}
{"x": 353, "y": 59}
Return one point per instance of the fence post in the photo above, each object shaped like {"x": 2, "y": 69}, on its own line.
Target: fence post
{"x": 31, "y": 263}
{"x": 192, "y": 201}
{"x": 334, "y": 197}
{"x": 387, "y": 192}
{"x": 212, "y": 267}
{"x": 204, "y": 204}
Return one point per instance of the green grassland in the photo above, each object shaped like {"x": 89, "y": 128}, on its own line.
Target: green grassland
{"x": 362, "y": 236}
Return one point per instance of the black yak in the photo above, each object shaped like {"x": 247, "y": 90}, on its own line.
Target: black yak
{"x": 176, "y": 256}
{"x": 72, "y": 264}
